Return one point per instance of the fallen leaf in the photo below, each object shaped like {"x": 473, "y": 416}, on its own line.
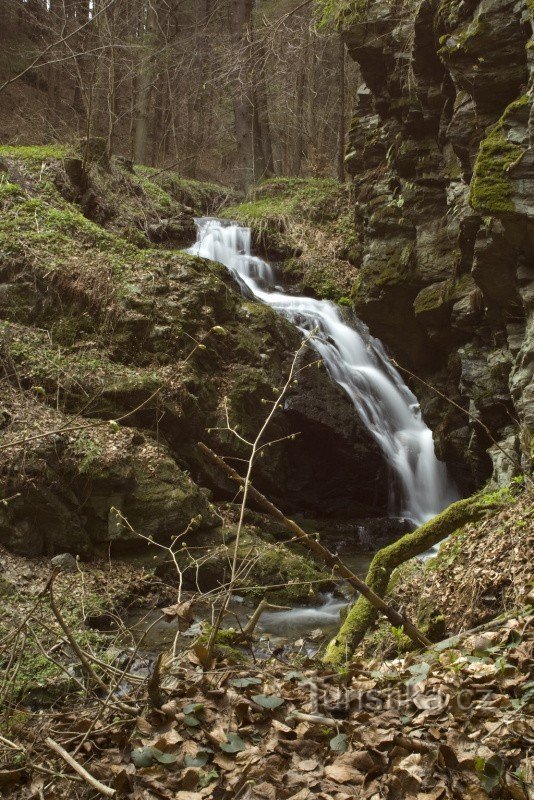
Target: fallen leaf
{"x": 270, "y": 701}
{"x": 234, "y": 744}
{"x": 308, "y": 765}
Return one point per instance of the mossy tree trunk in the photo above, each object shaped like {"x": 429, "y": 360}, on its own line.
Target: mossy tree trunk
{"x": 362, "y": 615}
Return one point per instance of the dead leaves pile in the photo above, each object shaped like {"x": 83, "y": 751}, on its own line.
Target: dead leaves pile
{"x": 450, "y": 723}
{"x": 483, "y": 569}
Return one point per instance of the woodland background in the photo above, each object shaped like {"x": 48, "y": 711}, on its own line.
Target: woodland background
{"x": 228, "y": 89}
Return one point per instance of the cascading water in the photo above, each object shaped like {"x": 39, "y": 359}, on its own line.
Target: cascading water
{"x": 355, "y": 361}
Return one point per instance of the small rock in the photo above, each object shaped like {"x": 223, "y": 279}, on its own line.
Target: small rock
{"x": 316, "y": 634}
{"x": 65, "y": 561}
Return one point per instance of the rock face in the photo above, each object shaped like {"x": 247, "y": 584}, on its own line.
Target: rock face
{"x": 443, "y": 169}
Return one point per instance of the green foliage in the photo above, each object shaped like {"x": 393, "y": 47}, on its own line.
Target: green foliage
{"x": 338, "y": 12}
{"x": 35, "y": 153}
{"x": 308, "y": 224}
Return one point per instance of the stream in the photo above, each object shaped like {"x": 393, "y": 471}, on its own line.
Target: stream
{"x": 357, "y": 362}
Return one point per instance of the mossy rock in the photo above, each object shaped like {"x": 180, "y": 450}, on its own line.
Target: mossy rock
{"x": 283, "y": 574}
{"x": 492, "y": 190}
{"x": 433, "y": 305}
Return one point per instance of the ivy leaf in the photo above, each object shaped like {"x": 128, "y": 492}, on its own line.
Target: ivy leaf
{"x": 339, "y": 743}
{"x": 207, "y": 777}
{"x": 234, "y": 744}
{"x": 200, "y": 760}
{"x": 242, "y": 683}
{"x": 268, "y": 700}
{"x": 192, "y": 708}
{"x": 165, "y": 758}
{"x": 143, "y": 757}
{"x": 489, "y": 772}
{"x": 191, "y": 721}
{"x": 294, "y": 676}
{"x": 146, "y": 756}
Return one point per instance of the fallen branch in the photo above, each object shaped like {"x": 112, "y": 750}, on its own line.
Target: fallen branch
{"x": 325, "y": 555}
{"x": 363, "y": 613}
{"x": 86, "y": 666}
{"x": 107, "y": 791}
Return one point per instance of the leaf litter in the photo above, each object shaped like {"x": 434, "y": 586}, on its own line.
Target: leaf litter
{"x": 442, "y": 724}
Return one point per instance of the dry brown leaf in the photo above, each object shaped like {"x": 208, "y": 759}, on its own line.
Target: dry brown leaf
{"x": 264, "y": 790}
{"x": 342, "y": 771}
{"x": 308, "y": 765}
{"x": 304, "y": 794}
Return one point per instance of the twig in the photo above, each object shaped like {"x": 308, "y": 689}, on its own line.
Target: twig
{"x": 107, "y": 791}
{"x": 56, "y": 43}
{"x": 246, "y": 485}
{"x": 70, "y": 428}
{"x": 89, "y": 671}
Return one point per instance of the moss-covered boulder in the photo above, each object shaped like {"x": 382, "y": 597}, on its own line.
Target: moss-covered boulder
{"x": 499, "y": 173}
{"x": 87, "y": 485}
{"x": 266, "y": 566}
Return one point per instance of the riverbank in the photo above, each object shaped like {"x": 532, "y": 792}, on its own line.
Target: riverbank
{"x": 454, "y": 718}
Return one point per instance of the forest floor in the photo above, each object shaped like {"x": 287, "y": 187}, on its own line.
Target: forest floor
{"x": 451, "y": 722}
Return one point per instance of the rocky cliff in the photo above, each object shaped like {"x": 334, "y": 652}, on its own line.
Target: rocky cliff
{"x": 443, "y": 173}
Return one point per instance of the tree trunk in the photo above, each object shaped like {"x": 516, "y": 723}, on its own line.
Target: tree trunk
{"x": 262, "y": 126}
{"x": 342, "y": 132}
{"x": 144, "y": 87}
{"x": 240, "y": 29}
{"x": 362, "y": 614}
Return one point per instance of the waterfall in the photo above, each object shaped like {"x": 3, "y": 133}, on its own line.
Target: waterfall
{"x": 356, "y": 362}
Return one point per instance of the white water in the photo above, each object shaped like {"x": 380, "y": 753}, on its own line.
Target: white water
{"x": 302, "y": 620}
{"x": 357, "y": 363}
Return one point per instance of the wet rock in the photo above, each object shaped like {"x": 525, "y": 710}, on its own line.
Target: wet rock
{"x": 443, "y": 176}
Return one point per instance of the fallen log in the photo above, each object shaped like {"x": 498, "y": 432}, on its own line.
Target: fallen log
{"x": 362, "y": 614}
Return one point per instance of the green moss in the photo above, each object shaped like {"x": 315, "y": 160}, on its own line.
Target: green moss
{"x": 249, "y": 389}
{"x": 340, "y": 12}
{"x": 35, "y": 152}
{"x": 440, "y": 294}
{"x": 36, "y": 678}
{"x": 308, "y": 225}
{"x": 299, "y": 576}
{"x": 9, "y": 190}
{"x": 473, "y": 37}
{"x": 280, "y": 198}
{"x": 225, "y": 643}
{"x": 72, "y": 375}
{"x": 201, "y": 196}
{"x": 491, "y": 190}
{"x": 362, "y": 614}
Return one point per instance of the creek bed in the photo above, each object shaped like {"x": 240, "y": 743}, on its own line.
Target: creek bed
{"x": 275, "y": 628}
